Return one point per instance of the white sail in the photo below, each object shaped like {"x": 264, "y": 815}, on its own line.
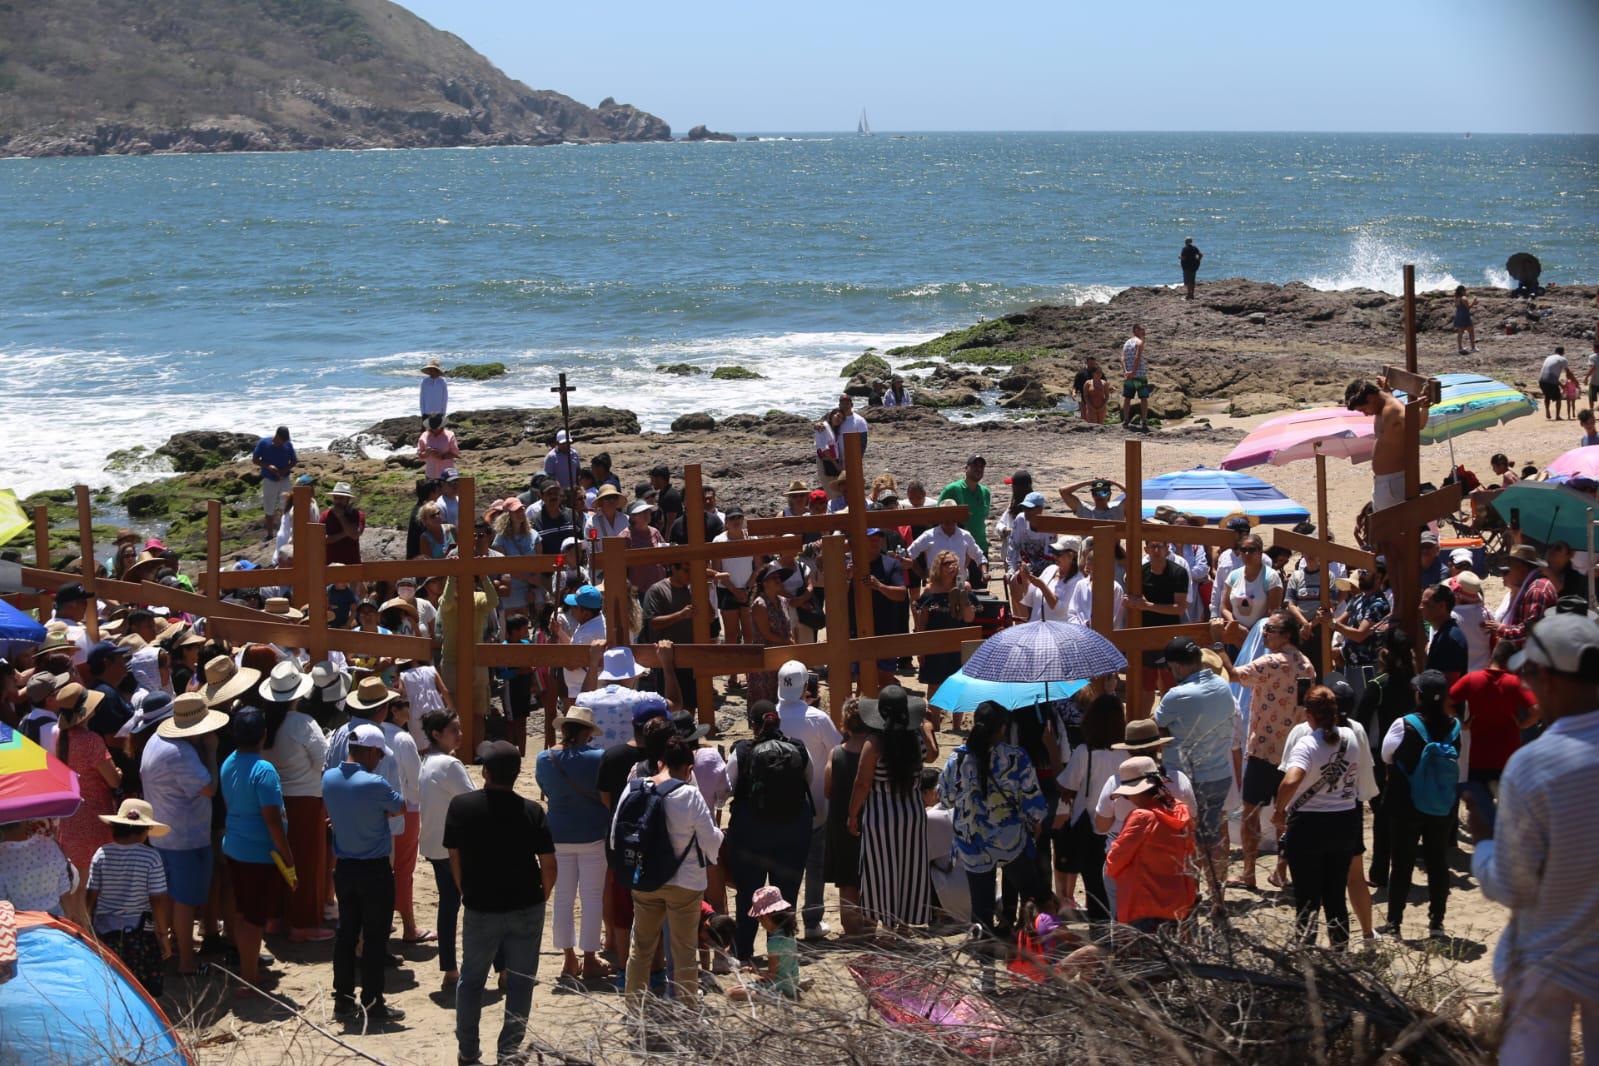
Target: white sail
{"x": 863, "y": 127}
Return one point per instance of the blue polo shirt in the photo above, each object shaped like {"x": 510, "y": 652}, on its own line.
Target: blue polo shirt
{"x": 359, "y": 804}
{"x": 269, "y": 452}
{"x": 249, "y": 783}
{"x": 1199, "y": 712}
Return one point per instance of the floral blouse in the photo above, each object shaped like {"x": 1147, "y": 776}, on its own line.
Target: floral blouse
{"x": 994, "y": 827}
{"x": 1274, "y": 707}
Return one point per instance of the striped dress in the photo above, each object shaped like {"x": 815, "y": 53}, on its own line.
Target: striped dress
{"x": 895, "y": 881}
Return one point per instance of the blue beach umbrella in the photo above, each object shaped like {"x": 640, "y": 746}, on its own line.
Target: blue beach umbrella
{"x": 961, "y": 694}
{"x": 18, "y": 631}
{"x": 1469, "y": 402}
{"x": 1039, "y": 652}
{"x": 1214, "y": 494}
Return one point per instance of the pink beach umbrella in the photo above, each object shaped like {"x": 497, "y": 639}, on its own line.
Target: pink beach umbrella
{"x": 1578, "y": 462}
{"x": 1300, "y": 434}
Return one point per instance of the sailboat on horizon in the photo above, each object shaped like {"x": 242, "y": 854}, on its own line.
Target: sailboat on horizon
{"x": 864, "y": 127}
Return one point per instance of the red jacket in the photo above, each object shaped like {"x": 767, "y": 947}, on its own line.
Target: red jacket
{"x": 1151, "y": 860}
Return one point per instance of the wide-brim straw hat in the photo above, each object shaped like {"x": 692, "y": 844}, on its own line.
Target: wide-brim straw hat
{"x": 226, "y": 680}
{"x": 281, "y": 607}
{"x": 285, "y": 684}
{"x": 400, "y": 603}
{"x": 875, "y": 713}
{"x": 138, "y": 814}
{"x": 579, "y": 714}
{"x": 147, "y": 566}
{"x": 432, "y": 367}
{"x": 609, "y": 491}
{"x": 1141, "y": 735}
{"x": 191, "y": 717}
{"x": 1253, "y": 520}
{"x": 370, "y": 694}
{"x": 1136, "y": 776}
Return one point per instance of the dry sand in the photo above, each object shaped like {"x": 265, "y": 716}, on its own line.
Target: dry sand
{"x": 258, "y": 1033}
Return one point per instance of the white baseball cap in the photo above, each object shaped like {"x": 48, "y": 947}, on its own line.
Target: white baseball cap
{"x": 369, "y": 736}
{"x": 1460, "y": 557}
{"x": 1564, "y": 643}
{"x": 791, "y": 679}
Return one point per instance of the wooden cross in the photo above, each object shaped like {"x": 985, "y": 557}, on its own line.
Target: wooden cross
{"x": 563, "y": 389}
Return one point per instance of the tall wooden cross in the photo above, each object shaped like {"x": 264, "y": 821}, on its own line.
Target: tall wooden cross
{"x": 563, "y": 389}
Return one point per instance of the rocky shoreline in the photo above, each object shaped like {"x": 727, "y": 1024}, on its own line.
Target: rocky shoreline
{"x": 1242, "y": 348}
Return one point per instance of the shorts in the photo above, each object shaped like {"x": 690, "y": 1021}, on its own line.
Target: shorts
{"x": 1593, "y": 392}
{"x": 1212, "y": 799}
{"x": 1261, "y": 781}
{"x": 1387, "y": 490}
{"x": 272, "y": 493}
{"x": 726, "y": 601}
{"x": 1136, "y": 386}
{"x": 618, "y": 901}
{"x": 188, "y": 874}
{"x": 1551, "y": 390}
{"x": 1190, "y": 274}
{"x": 259, "y": 891}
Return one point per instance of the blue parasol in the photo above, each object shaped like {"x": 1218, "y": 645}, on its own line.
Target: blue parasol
{"x": 961, "y": 694}
{"x": 1215, "y": 494}
{"x": 17, "y": 630}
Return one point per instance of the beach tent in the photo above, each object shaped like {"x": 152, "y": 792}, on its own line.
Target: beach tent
{"x": 1215, "y": 494}
{"x": 65, "y": 999}
{"x": 18, "y": 631}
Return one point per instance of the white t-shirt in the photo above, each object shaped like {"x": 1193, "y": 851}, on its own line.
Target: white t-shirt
{"x": 688, "y": 821}
{"x": 1023, "y": 544}
{"x": 826, "y": 443}
{"x": 926, "y": 547}
{"x": 582, "y": 637}
{"x": 408, "y": 762}
{"x": 1085, "y": 774}
{"x": 442, "y": 778}
{"x": 602, "y": 527}
{"x": 1037, "y": 606}
{"x": 1366, "y": 775}
{"x": 1554, "y": 368}
{"x": 421, "y": 687}
{"x": 851, "y": 423}
{"x": 1081, "y": 607}
{"x": 1248, "y": 598}
{"x": 1313, "y": 754}
{"x": 739, "y": 570}
{"x": 1117, "y": 808}
{"x": 1478, "y": 647}
{"x": 299, "y": 753}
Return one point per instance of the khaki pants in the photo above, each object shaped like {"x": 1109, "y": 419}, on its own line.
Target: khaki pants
{"x": 679, "y": 909}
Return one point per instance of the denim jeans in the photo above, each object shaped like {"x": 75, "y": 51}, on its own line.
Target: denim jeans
{"x": 484, "y": 933}
{"x": 365, "y": 891}
{"x": 449, "y": 912}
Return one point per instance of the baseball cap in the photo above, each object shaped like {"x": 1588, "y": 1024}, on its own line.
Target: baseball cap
{"x": 640, "y": 507}
{"x": 498, "y": 752}
{"x": 1564, "y": 643}
{"x": 369, "y": 736}
{"x": 818, "y": 496}
{"x": 1182, "y": 650}
{"x": 1429, "y": 537}
{"x": 449, "y": 474}
{"x": 1099, "y": 487}
{"x": 975, "y": 458}
{"x": 561, "y": 437}
{"x": 874, "y": 532}
{"x": 791, "y": 678}
{"x": 1033, "y": 499}
{"x": 72, "y": 593}
{"x": 1461, "y": 557}
{"x": 733, "y": 512}
{"x": 587, "y": 597}
{"x": 103, "y": 651}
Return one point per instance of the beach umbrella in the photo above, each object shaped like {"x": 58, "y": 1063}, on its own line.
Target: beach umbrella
{"x": 1577, "y": 463}
{"x": 1214, "y": 494}
{"x": 1470, "y": 402}
{"x": 961, "y": 694}
{"x": 33, "y": 783}
{"x": 17, "y": 629}
{"x": 1549, "y": 512}
{"x": 1333, "y": 431}
{"x": 13, "y": 519}
{"x": 1524, "y": 267}
{"x": 1039, "y": 652}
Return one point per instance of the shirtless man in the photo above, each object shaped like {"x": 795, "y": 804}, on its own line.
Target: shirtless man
{"x": 1388, "y": 458}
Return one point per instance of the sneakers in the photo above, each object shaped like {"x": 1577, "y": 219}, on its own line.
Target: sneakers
{"x": 819, "y": 931}
{"x": 383, "y": 1014}
{"x": 1437, "y": 933}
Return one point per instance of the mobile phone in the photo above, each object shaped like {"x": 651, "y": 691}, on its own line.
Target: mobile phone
{"x": 1305, "y": 684}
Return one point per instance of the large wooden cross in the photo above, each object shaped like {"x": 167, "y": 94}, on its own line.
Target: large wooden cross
{"x": 574, "y": 494}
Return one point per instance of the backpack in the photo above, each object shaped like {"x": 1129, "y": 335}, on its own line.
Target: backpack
{"x": 643, "y": 858}
{"x": 774, "y": 777}
{"x": 1437, "y": 770}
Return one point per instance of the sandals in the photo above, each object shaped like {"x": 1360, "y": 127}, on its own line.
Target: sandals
{"x": 1276, "y": 878}
{"x": 423, "y": 936}
{"x": 1239, "y": 882}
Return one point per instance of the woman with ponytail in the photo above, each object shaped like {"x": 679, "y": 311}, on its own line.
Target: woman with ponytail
{"x": 1318, "y": 816}
{"x": 1386, "y": 698}
{"x": 1431, "y": 729}
{"x": 886, "y": 812}
{"x": 992, "y": 787}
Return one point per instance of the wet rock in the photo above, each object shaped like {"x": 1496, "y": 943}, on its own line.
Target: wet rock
{"x": 868, "y": 364}
{"x": 1030, "y": 395}
{"x": 505, "y": 427}
{"x": 681, "y": 370}
{"x": 700, "y": 133}
{"x": 735, "y": 373}
{"x": 943, "y": 398}
{"x": 476, "y": 371}
{"x": 145, "y": 504}
{"x": 1258, "y": 318}
{"x": 201, "y": 449}
{"x": 358, "y": 446}
{"x": 694, "y": 421}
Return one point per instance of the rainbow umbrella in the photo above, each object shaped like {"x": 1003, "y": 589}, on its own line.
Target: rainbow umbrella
{"x": 33, "y": 783}
{"x": 1215, "y": 494}
{"x": 1298, "y": 435}
{"x": 1577, "y": 463}
{"x": 1470, "y": 402}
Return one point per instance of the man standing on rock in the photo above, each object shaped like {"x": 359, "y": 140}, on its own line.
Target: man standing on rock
{"x": 275, "y": 456}
{"x": 435, "y": 395}
{"x": 1388, "y": 455}
{"x": 1189, "y": 259}
{"x": 1135, "y": 379}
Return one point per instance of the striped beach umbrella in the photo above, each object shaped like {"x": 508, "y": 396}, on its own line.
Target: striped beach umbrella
{"x": 33, "y": 782}
{"x": 1470, "y": 402}
{"x": 1335, "y": 431}
{"x": 1215, "y": 494}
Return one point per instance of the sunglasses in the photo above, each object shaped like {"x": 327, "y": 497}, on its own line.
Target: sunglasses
{"x": 1272, "y": 628}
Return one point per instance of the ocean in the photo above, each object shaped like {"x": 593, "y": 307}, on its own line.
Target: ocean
{"x": 143, "y": 296}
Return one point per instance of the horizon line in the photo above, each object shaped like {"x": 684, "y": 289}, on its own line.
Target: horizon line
{"x": 1340, "y": 132}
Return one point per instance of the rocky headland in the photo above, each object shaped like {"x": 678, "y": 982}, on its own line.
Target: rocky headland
{"x": 1242, "y": 348}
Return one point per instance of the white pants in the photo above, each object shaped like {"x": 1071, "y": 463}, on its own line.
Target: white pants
{"x": 1538, "y": 1023}
{"x": 579, "y": 868}
{"x": 1387, "y": 490}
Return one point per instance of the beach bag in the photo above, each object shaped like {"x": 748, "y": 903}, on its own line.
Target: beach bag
{"x": 644, "y": 859}
{"x": 1437, "y": 771}
{"x": 779, "y": 782}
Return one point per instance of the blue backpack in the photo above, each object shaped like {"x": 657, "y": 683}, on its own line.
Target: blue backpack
{"x": 644, "y": 859}
{"x": 1433, "y": 782}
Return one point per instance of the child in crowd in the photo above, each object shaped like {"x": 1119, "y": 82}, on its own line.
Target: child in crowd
{"x": 782, "y": 976}
{"x": 717, "y": 940}
{"x": 34, "y": 873}
{"x": 128, "y": 894}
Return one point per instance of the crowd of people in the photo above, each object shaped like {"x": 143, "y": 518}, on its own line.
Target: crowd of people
{"x": 245, "y": 789}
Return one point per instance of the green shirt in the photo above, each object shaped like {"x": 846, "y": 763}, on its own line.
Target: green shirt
{"x": 785, "y": 949}
{"x": 976, "y": 502}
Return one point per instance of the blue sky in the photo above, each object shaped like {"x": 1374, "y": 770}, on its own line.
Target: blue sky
{"x": 1526, "y": 66}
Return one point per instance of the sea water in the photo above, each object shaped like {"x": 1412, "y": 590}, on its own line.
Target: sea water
{"x": 143, "y": 296}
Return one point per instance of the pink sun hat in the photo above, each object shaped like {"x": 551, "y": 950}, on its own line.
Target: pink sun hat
{"x": 768, "y": 900}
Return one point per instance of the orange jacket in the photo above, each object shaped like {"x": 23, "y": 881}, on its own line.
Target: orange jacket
{"x": 1150, "y": 861}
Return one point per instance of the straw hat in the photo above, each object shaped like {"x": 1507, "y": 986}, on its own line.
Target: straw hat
{"x": 148, "y": 565}
{"x": 226, "y": 681}
{"x": 433, "y": 369}
{"x": 1249, "y": 518}
{"x": 138, "y": 814}
{"x": 56, "y": 637}
{"x": 1142, "y": 734}
{"x": 609, "y": 492}
{"x": 1526, "y": 553}
{"x": 191, "y": 718}
{"x": 579, "y": 714}
{"x": 281, "y": 607}
{"x": 77, "y": 702}
{"x": 285, "y": 684}
{"x": 329, "y": 682}
{"x": 342, "y": 488}
{"x": 189, "y": 639}
{"x": 401, "y": 603}
{"x": 370, "y": 694}
{"x": 1136, "y": 776}
{"x": 797, "y": 488}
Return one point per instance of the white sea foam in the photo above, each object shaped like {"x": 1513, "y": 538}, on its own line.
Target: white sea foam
{"x": 1497, "y": 278}
{"x": 1374, "y": 262}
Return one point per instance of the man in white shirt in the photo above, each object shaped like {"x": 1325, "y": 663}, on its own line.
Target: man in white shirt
{"x": 1081, "y": 608}
{"x": 850, "y": 423}
{"x": 1550, "y": 374}
{"x": 1228, "y": 561}
{"x": 814, "y": 729}
{"x": 587, "y": 605}
{"x": 949, "y": 535}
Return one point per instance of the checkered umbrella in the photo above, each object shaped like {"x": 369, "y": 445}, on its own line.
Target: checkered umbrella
{"x": 1044, "y": 651}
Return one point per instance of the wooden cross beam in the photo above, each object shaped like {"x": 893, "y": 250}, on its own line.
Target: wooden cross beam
{"x": 574, "y": 494}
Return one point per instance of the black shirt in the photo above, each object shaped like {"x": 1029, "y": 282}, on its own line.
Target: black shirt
{"x": 617, "y": 762}
{"x": 1163, "y": 588}
{"x": 113, "y": 712}
{"x": 500, "y": 836}
{"x": 1447, "y": 652}
{"x": 888, "y": 616}
{"x": 713, "y": 528}
{"x": 668, "y": 505}
{"x": 1189, "y": 257}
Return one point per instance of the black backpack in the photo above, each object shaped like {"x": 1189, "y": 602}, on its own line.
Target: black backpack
{"x": 774, "y": 777}
{"x": 643, "y": 858}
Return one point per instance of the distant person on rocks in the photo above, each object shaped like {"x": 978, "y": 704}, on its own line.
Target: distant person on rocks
{"x": 849, "y": 422}
{"x": 435, "y": 398}
{"x": 1555, "y": 369}
{"x": 897, "y": 395}
{"x": 1189, "y": 259}
{"x": 1135, "y": 379}
{"x": 562, "y": 462}
{"x": 436, "y": 447}
{"x": 344, "y": 524}
{"x": 1091, "y": 390}
{"x": 276, "y": 458}
{"x": 1388, "y": 455}
{"x": 1464, "y": 327}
